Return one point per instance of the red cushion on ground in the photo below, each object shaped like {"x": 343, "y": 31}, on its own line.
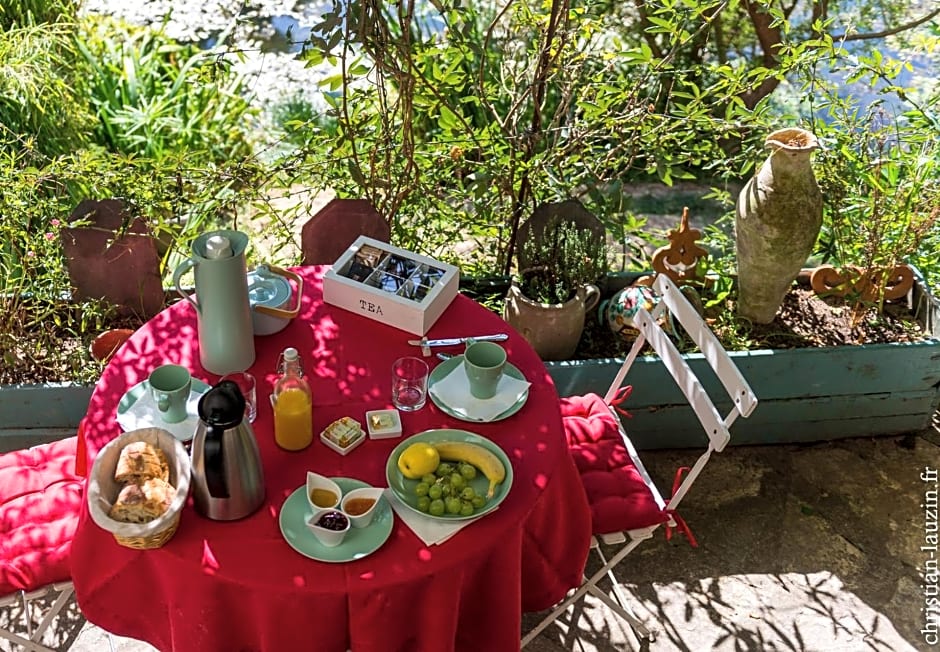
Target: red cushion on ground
{"x": 619, "y": 498}
{"x": 40, "y": 499}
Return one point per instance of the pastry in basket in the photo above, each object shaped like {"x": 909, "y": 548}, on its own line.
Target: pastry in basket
{"x": 140, "y": 461}
{"x": 142, "y": 503}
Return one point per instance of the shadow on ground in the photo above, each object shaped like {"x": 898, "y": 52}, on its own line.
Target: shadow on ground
{"x": 810, "y": 547}
{"x": 801, "y": 547}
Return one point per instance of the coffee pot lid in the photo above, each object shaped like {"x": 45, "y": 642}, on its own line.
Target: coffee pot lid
{"x": 223, "y": 406}
{"x": 265, "y": 288}
{"x": 218, "y": 246}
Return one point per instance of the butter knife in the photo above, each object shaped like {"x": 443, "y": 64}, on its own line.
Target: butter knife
{"x": 454, "y": 341}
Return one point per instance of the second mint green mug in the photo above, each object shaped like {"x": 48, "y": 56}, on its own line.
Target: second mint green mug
{"x": 484, "y": 363}
{"x": 169, "y": 386}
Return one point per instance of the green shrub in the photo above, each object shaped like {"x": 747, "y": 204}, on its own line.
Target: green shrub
{"x": 43, "y": 105}
{"x": 155, "y": 97}
{"x": 26, "y": 13}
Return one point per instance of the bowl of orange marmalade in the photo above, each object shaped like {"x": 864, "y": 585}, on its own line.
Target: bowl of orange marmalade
{"x": 360, "y": 505}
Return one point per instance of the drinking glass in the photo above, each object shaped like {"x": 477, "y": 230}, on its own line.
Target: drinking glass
{"x": 246, "y": 384}
{"x": 409, "y": 384}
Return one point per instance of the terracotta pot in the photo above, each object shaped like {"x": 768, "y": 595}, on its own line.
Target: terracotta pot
{"x": 105, "y": 345}
{"x": 553, "y": 330}
{"x": 777, "y": 221}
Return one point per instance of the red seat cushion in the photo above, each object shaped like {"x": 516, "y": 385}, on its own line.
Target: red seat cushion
{"x": 40, "y": 500}
{"x": 619, "y": 498}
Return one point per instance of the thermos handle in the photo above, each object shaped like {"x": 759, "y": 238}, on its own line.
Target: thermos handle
{"x": 278, "y": 312}
{"x": 214, "y": 463}
{"x": 181, "y": 269}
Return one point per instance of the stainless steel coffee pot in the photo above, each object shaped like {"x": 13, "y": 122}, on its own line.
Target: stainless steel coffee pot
{"x": 228, "y": 479}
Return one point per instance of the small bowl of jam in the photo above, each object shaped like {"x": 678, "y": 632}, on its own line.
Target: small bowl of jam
{"x": 329, "y": 527}
{"x": 322, "y": 493}
{"x": 360, "y": 505}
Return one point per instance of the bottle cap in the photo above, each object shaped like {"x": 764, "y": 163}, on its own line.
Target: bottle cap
{"x": 290, "y": 354}
{"x": 218, "y": 246}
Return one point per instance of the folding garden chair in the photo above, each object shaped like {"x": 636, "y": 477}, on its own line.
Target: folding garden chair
{"x": 626, "y": 505}
{"x": 41, "y": 491}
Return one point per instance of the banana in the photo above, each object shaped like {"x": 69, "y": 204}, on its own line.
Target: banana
{"x": 478, "y": 456}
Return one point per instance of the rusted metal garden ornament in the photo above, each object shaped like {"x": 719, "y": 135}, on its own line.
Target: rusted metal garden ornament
{"x": 864, "y": 285}
{"x": 678, "y": 260}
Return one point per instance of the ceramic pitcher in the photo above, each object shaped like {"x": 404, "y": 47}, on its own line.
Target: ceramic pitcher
{"x": 777, "y": 221}
{"x": 553, "y": 330}
{"x": 226, "y": 337}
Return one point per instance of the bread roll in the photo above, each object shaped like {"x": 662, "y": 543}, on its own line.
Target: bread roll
{"x": 141, "y": 503}
{"x": 140, "y": 461}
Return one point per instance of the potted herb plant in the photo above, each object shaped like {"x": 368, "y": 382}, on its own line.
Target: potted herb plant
{"x": 561, "y": 259}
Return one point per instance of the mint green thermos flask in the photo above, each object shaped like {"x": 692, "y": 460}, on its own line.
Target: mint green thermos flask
{"x": 226, "y": 336}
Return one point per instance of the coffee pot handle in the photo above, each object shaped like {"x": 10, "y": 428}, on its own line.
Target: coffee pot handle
{"x": 214, "y": 463}
{"x": 181, "y": 269}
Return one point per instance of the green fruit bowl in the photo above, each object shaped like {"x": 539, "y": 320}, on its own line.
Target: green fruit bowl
{"x": 404, "y": 488}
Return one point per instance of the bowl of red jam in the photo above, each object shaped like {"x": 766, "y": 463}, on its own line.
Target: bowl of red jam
{"x": 329, "y": 527}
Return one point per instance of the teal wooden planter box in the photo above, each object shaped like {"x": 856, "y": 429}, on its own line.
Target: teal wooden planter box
{"x": 804, "y": 395}
{"x": 33, "y": 414}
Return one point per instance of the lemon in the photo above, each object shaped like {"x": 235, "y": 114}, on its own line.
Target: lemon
{"x": 418, "y": 459}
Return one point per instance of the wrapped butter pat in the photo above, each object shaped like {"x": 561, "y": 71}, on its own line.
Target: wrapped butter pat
{"x": 343, "y": 435}
{"x": 383, "y": 424}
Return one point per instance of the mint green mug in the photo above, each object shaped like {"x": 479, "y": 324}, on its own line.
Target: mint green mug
{"x": 169, "y": 386}
{"x": 484, "y": 363}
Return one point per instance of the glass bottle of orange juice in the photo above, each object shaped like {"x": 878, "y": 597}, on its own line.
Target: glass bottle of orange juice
{"x": 293, "y": 404}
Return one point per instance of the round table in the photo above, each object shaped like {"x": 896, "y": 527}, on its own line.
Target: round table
{"x": 238, "y": 586}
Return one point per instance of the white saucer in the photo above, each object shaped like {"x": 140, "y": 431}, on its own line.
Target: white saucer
{"x": 444, "y": 368}
{"x": 183, "y": 430}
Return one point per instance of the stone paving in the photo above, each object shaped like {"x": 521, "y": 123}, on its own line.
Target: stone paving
{"x": 801, "y": 547}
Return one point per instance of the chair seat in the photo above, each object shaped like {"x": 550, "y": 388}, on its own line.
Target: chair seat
{"x": 619, "y": 497}
{"x": 40, "y": 501}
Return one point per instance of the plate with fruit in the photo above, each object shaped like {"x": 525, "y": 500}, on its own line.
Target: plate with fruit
{"x": 449, "y": 475}
{"x": 358, "y": 542}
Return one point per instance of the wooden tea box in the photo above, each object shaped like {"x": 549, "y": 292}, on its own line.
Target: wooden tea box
{"x": 391, "y": 285}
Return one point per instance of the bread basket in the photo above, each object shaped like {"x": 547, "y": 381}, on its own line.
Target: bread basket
{"x": 103, "y": 490}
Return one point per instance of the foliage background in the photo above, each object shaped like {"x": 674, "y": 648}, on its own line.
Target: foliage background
{"x": 457, "y": 119}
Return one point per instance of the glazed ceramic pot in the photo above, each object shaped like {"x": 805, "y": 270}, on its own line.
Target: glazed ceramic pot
{"x": 619, "y": 311}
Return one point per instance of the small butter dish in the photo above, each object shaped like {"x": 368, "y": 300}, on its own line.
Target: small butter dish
{"x": 383, "y": 424}
{"x": 343, "y": 435}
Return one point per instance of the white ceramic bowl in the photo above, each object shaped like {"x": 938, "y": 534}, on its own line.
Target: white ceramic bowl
{"x": 328, "y": 536}
{"x": 316, "y": 481}
{"x": 352, "y": 505}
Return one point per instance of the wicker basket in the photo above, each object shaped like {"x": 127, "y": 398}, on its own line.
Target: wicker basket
{"x": 103, "y": 490}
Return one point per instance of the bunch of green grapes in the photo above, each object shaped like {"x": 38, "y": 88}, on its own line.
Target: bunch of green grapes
{"x": 447, "y": 491}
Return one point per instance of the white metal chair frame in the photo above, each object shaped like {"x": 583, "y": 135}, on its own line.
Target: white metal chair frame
{"x": 715, "y": 425}
{"x": 63, "y": 592}
{"x": 23, "y": 598}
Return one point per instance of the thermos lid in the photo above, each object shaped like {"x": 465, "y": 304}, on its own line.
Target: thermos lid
{"x": 223, "y": 406}
{"x": 267, "y": 289}
{"x": 218, "y": 246}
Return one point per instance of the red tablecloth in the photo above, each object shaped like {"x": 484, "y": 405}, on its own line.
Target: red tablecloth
{"x": 238, "y": 586}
